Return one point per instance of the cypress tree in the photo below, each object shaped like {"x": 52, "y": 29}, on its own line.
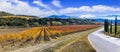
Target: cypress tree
{"x": 111, "y": 27}
{"x": 105, "y": 25}
{"x": 115, "y": 25}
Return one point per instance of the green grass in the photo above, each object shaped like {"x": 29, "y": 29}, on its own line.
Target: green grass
{"x": 113, "y": 33}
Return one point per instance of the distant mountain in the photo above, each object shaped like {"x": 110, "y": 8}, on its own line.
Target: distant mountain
{"x": 61, "y": 16}
{"x": 99, "y": 20}
{"x": 111, "y": 16}
{"x": 102, "y": 20}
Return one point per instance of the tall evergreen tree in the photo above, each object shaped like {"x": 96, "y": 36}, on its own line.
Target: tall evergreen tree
{"x": 115, "y": 25}
{"x": 107, "y": 26}
{"x": 111, "y": 27}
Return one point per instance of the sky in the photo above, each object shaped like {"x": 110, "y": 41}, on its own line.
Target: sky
{"x": 80, "y": 8}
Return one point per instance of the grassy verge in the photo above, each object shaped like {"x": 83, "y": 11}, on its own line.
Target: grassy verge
{"x": 81, "y": 44}
{"x": 65, "y": 45}
{"x": 113, "y": 33}
{"x": 58, "y": 46}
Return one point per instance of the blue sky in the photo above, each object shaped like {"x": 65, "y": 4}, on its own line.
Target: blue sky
{"x": 80, "y": 8}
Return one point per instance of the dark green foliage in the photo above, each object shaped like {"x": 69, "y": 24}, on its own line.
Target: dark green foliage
{"x": 13, "y": 22}
{"x": 106, "y": 25}
{"x": 41, "y": 21}
{"x": 115, "y": 25}
{"x": 36, "y": 21}
{"x": 111, "y": 27}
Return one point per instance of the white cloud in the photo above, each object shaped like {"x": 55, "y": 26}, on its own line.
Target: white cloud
{"x": 39, "y": 3}
{"x": 23, "y": 8}
{"x": 57, "y": 3}
{"x": 87, "y": 16}
{"x": 93, "y": 9}
{"x": 83, "y": 11}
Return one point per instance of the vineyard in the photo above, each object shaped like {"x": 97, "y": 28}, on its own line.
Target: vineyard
{"x": 38, "y": 34}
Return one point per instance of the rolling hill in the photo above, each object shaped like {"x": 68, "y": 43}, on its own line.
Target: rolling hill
{"x": 6, "y": 14}
{"x": 9, "y": 15}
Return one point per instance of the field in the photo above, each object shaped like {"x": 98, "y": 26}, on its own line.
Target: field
{"x": 11, "y": 30}
{"x": 39, "y": 34}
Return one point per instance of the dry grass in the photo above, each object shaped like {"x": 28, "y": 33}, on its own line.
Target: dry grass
{"x": 36, "y": 35}
{"x": 25, "y": 17}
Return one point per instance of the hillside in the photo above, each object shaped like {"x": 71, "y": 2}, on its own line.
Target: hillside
{"x": 6, "y": 14}
{"x": 9, "y": 15}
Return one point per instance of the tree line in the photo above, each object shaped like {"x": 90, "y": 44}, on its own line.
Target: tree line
{"x": 108, "y": 26}
{"x": 43, "y": 21}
